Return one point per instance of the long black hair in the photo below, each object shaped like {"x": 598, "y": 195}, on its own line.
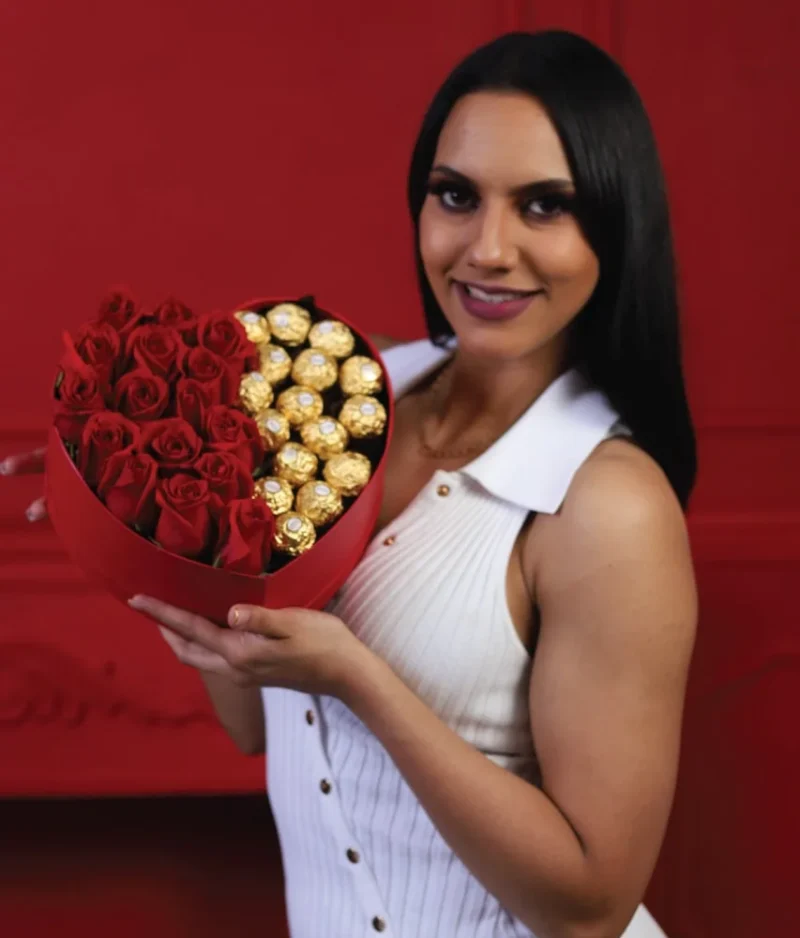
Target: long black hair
{"x": 626, "y": 340}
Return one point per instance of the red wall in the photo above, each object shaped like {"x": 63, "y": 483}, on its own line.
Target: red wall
{"x": 227, "y": 150}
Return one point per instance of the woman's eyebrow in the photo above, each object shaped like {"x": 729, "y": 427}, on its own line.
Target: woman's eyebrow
{"x": 530, "y": 189}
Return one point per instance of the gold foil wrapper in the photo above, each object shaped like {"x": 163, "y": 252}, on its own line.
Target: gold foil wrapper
{"x": 325, "y": 437}
{"x": 255, "y": 392}
{"x": 295, "y": 463}
{"x": 361, "y": 375}
{"x": 300, "y": 404}
{"x": 255, "y": 325}
{"x": 294, "y": 534}
{"x": 315, "y": 369}
{"x": 274, "y": 429}
{"x": 363, "y": 416}
{"x": 348, "y": 472}
{"x": 319, "y": 502}
{"x": 277, "y": 493}
{"x": 276, "y": 363}
{"x": 333, "y": 337}
{"x": 289, "y": 323}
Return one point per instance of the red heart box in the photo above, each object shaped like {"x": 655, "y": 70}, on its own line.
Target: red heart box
{"x": 125, "y": 563}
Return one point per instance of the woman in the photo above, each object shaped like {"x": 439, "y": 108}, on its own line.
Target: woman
{"x": 480, "y": 737}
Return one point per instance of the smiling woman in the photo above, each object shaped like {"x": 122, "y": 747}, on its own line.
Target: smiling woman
{"x": 480, "y": 735}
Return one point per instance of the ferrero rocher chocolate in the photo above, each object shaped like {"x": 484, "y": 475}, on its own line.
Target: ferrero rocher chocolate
{"x": 255, "y": 392}
{"x": 274, "y": 429}
{"x": 299, "y": 404}
{"x": 255, "y": 325}
{"x": 289, "y": 323}
{"x": 277, "y": 493}
{"x": 319, "y": 502}
{"x": 361, "y": 375}
{"x": 294, "y": 534}
{"x": 325, "y": 436}
{"x": 315, "y": 369}
{"x": 295, "y": 463}
{"x": 348, "y": 472}
{"x": 276, "y": 363}
{"x": 332, "y": 337}
{"x": 363, "y": 416}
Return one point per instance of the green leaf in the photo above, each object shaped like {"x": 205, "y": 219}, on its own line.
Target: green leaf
{"x": 59, "y": 380}
{"x": 217, "y": 561}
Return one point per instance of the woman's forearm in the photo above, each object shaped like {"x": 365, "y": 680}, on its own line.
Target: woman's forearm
{"x": 508, "y": 833}
{"x": 239, "y": 710}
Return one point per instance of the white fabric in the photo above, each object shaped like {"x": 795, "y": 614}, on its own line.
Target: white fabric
{"x": 429, "y": 597}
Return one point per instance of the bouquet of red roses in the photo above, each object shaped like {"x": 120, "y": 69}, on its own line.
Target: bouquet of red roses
{"x": 229, "y": 442}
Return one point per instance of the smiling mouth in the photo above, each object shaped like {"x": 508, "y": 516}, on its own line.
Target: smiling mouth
{"x": 495, "y": 295}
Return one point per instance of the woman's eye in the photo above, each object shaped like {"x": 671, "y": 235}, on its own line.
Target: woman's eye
{"x": 548, "y": 206}
{"x": 453, "y": 197}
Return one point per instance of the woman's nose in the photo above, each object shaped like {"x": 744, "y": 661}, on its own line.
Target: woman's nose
{"x": 493, "y": 246}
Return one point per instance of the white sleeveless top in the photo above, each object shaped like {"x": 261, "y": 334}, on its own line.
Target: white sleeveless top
{"x": 360, "y": 854}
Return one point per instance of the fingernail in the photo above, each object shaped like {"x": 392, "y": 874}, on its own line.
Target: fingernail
{"x": 238, "y": 616}
{"x": 32, "y": 514}
{"x": 136, "y": 602}
{"x": 5, "y": 467}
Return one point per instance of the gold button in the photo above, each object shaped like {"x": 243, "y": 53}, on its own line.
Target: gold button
{"x": 389, "y": 540}
{"x": 443, "y": 490}
{"x": 352, "y": 855}
{"x": 310, "y": 717}
{"x": 378, "y": 924}
{"x": 325, "y": 786}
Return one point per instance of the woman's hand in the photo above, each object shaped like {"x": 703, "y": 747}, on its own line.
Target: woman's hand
{"x": 299, "y": 649}
{"x": 27, "y": 464}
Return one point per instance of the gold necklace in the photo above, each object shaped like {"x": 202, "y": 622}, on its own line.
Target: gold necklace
{"x": 433, "y": 452}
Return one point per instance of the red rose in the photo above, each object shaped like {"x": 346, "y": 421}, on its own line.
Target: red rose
{"x": 104, "y": 435}
{"x": 211, "y": 370}
{"x": 224, "y": 335}
{"x": 120, "y": 311}
{"x": 192, "y": 400}
{"x": 128, "y": 488}
{"x": 229, "y": 430}
{"x": 98, "y": 345}
{"x": 244, "y": 544}
{"x": 141, "y": 395}
{"x": 157, "y": 348}
{"x": 78, "y": 395}
{"x": 178, "y": 316}
{"x": 184, "y": 524}
{"x": 227, "y": 476}
{"x": 172, "y": 443}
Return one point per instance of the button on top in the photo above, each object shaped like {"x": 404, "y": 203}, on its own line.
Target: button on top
{"x": 325, "y": 786}
{"x": 443, "y": 490}
{"x": 378, "y": 924}
{"x": 353, "y": 855}
{"x": 389, "y": 540}
{"x": 310, "y": 717}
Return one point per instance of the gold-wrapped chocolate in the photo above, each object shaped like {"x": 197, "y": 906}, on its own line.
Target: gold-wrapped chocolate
{"x": 276, "y": 363}
{"x": 274, "y": 429}
{"x": 294, "y": 534}
{"x": 277, "y": 493}
{"x": 255, "y": 325}
{"x": 319, "y": 502}
{"x": 363, "y": 416}
{"x": 333, "y": 337}
{"x": 361, "y": 375}
{"x": 348, "y": 472}
{"x": 289, "y": 323}
{"x": 315, "y": 369}
{"x": 299, "y": 404}
{"x": 295, "y": 463}
{"x": 255, "y": 392}
{"x": 325, "y": 437}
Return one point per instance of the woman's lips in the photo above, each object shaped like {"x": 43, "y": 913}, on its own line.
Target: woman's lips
{"x": 503, "y": 305}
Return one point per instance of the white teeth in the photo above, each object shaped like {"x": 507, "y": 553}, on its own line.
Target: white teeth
{"x": 484, "y": 297}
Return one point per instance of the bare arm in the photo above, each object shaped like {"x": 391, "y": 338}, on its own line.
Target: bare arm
{"x": 383, "y": 342}
{"x": 239, "y": 710}
{"x": 573, "y": 858}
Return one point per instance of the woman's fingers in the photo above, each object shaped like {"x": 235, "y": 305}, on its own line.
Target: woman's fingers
{"x": 196, "y": 656}
{"x": 189, "y": 626}
{"x": 24, "y": 463}
{"x": 37, "y": 510}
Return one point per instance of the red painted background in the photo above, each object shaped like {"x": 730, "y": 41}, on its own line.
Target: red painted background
{"x": 227, "y": 150}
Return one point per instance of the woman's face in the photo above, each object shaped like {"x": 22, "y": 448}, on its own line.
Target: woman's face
{"x": 503, "y": 252}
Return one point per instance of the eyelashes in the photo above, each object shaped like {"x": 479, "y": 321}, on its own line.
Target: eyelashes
{"x": 460, "y": 199}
